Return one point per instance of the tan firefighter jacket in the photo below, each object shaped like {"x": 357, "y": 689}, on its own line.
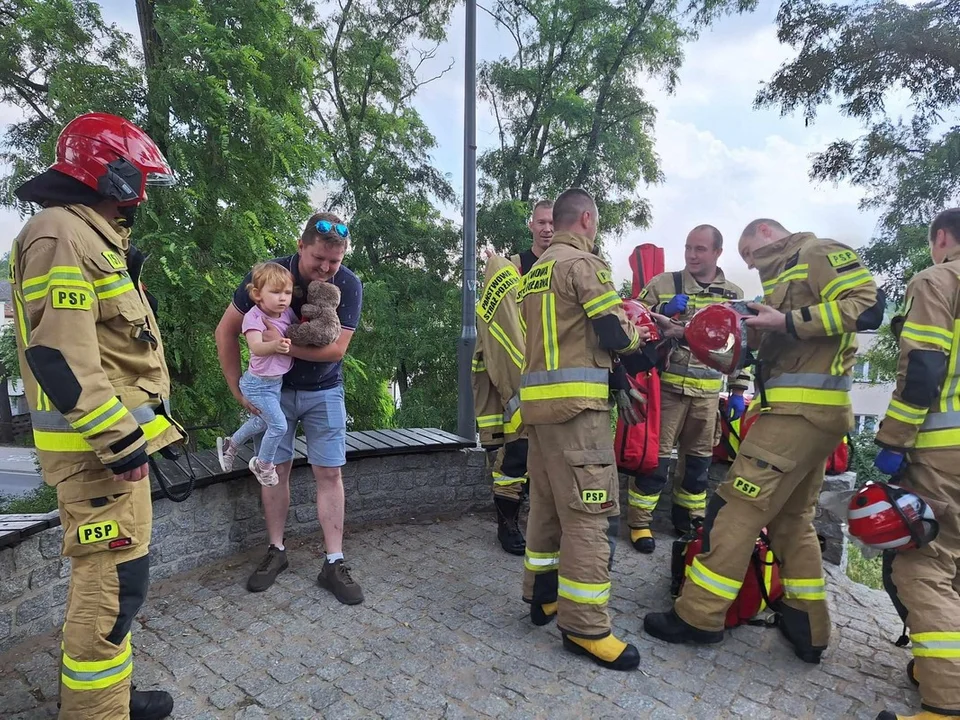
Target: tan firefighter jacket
{"x": 498, "y": 355}
{"x": 89, "y": 347}
{"x": 924, "y": 412}
{"x": 564, "y": 294}
{"x": 687, "y": 375}
{"x": 827, "y": 295}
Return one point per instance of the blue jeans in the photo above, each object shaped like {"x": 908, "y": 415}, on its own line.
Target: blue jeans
{"x": 264, "y": 394}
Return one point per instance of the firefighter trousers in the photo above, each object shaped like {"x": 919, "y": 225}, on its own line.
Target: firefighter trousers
{"x": 691, "y": 423}
{"x": 774, "y": 483}
{"x": 106, "y": 535}
{"x": 508, "y": 470}
{"x": 928, "y": 583}
{"x": 573, "y": 522}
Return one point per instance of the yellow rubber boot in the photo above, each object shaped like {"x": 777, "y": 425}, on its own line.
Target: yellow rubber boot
{"x": 609, "y": 652}
{"x": 542, "y": 614}
{"x": 642, "y": 540}
{"x": 923, "y": 715}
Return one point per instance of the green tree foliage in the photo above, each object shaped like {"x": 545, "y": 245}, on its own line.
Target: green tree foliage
{"x": 859, "y": 54}
{"x": 570, "y": 107}
{"x": 381, "y": 176}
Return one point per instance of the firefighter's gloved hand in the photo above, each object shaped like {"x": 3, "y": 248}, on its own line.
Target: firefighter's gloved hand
{"x": 888, "y": 461}
{"x": 735, "y": 406}
{"x": 629, "y": 403}
{"x": 677, "y": 305}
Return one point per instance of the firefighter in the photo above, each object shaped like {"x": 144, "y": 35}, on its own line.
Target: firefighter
{"x": 919, "y": 439}
{"x": 497, "y": 359}
{"x": 689, "y": 392}
{"x": 97, "y": 385}
{"x": 817, "y": 295}
{"x": 541, "y": 230}
{"x": 574, "y": 325}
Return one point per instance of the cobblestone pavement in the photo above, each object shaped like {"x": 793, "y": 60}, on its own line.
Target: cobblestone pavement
{"x": 443, "y": 634}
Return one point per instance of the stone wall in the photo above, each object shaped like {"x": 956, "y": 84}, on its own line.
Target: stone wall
{"x": 222, "y": 519}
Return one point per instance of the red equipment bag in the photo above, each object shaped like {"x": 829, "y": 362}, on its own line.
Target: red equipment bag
{"x": 761, "y": 584}
{"x": 638, "y": 446}
{"x": 840, "y": 458}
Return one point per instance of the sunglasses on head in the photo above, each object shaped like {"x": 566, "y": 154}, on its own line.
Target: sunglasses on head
{"x": 325, "y": 226}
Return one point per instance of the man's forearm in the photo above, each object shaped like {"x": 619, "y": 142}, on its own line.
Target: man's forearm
{"x": 228, "y": 351}
{"x": 327, "y": 353}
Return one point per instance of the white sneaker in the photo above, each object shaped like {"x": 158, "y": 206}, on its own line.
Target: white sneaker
{"x": 265, "y": 473}
{"x": 226, "y": 453}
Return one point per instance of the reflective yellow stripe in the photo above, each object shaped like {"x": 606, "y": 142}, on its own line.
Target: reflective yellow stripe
{"x": 558, "y": 391}
{"x": 551, "y": 347}
{"x": 929, "y": 334}
{"x": 53, "y": 441}
{"x": 501, "y": 337}
{"x": 479, "y": 366}
{"x": 505, "y": 480}
{"x": 540, "y": 562}
{"x": 690, "y": 501}
{"x": 927, "y": 439}
{"x": 113, "y": 285}
{"x": 108, "y": 414}
{"x": 936, "y": 644}
{"x": 807, "y": 396}
{"x": 830, "y": 316}
{"x": 600, "y": 304}
{"x": 58, "y": 276}
{"x": 583, "y": 593}
{"x": 906, "y": 413}
{"x": 797, "y": 272}
{"x": 644, "y": 502}
{"x": 707, "y": 385}
{"x": 844, "y": 282}
{"x": 97, "y": 674}
{"x": 950, "y": 394}
{"x": 634, "y": 342}
{"x": 713, "y": 583}
{"x": 489, "y": 421}
{"x": 846, "y": 341}
{"x": 804, "y": 588}
{"x": 512, "y": 424}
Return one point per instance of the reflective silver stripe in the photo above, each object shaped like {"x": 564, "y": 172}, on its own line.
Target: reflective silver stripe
{"x": 513, "y": 404}
{"x": 55, "y": 421}
{"x": 116, "y": 409}
{"x": 564, "y": 375}
{"x": 87, "y": 677}
{"x": 941, "y": 421}
{"x": 811, "y": 380}
{"x": 695, "y": 372}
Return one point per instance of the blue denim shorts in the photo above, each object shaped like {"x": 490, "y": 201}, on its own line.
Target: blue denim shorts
{"x": 323, "y": 415}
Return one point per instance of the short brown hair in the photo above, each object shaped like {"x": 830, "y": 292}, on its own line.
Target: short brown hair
{"x": 310, "y": 234}
{"x": 547, "y": 204}
{"x": 568, "y": 207}
{"x": 717, "y": 236}
{"x": 267, "y": 275}
{"x": 751, "y": 229}
{"x": 948, "y": 220}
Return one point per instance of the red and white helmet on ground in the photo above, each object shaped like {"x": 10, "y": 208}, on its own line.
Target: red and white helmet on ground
{"x": 717, "y": 338}
{"x": 641, "y": 317}
{"x": 889, "y": 517}
{"x": 112, "y": 156}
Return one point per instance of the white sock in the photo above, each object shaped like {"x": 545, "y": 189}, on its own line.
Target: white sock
{"x": 333, "y": 557}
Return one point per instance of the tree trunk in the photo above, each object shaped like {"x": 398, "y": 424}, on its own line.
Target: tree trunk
{"x": 6, "y": 414}
{"x": 158, "y": 108}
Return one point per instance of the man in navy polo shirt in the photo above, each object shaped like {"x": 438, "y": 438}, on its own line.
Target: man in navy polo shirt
{"x": 313, "y": 395}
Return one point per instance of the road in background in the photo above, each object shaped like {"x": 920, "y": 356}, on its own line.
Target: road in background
{"x": 18, "y": 473}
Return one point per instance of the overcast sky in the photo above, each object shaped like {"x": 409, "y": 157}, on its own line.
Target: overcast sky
{"x": 724, "y": 162}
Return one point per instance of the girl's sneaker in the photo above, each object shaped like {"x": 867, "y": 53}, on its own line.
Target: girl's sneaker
{"x": 226, "y": 453}
{"x": 265, "y": 473}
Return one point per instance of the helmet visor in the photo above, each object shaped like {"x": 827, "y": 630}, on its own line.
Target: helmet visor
{"x": 161, "y": 179}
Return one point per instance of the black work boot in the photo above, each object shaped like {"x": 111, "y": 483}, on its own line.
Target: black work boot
{"x": 642, "y": 540}
{"x": 150, "y": 704}
{"x": 542, "y": 613}
{"x": 681, "y": 519}
{"x": 795, "y": 626}
{"x": 670, "y": 627}
{"x": 273, "y": 563}
{"x": 336, "y": 578}
{"x": 508, "y": 531}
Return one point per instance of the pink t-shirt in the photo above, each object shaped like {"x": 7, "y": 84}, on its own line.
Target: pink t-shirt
{"x": 271, "y": 365}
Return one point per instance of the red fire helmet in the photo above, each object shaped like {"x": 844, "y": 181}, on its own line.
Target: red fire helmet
{"x": 889, "y": 517}
{"x": 641, "y": 317}
{"x": 113, "y": 156}
{"x": 717, "y": 338}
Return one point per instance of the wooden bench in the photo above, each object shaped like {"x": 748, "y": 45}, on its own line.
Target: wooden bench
{"x": 206, "y": 468}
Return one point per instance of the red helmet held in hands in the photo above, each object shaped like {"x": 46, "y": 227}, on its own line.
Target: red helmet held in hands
{"x": 113, "y": 156}
{"x": 888, "y": 517}
{"x": 717, "y": 338}
{"x": 641, "y": 317}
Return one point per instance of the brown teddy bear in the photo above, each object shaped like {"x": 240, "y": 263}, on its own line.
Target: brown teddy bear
{"x": 319, "y": 324}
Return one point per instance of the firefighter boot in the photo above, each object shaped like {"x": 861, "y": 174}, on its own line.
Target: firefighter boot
{"x": 795, "y": 626}
{"x": 508, "y": 531}
{"x": 608, "y": 652}
{"x": 922, "y": 715}
{"x": 541, "y": 614}
{"x": 670, "y": 628}
{"x": 642, "y": 540}
{"x": 150, "y": 704}
{"x": 690, "y": 498}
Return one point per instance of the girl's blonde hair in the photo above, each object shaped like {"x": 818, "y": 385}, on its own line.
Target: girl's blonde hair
{"x": 267, "y": 275}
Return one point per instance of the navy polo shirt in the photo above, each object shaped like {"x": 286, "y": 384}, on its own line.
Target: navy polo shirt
{"x": 313, "y": 375}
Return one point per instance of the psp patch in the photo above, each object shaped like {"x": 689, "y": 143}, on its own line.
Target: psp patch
{"x": 98, "y": 532}
{"x": 116, "y": 262}
{"x": 594, "y": 497}
{"x": 604, "y": 276}
{"x": 746, "y": 487}
{"x": 66, "y": 298}
{"x": 843, "y": 257}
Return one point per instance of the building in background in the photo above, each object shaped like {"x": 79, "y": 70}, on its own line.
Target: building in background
{"x": 869, "y": 397}
{"x": 18, "y": 402}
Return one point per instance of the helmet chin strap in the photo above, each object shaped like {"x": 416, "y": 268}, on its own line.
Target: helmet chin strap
{"x": 127, "y": 216}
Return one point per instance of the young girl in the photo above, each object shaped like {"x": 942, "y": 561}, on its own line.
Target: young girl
{"x": 271, "y": 288}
